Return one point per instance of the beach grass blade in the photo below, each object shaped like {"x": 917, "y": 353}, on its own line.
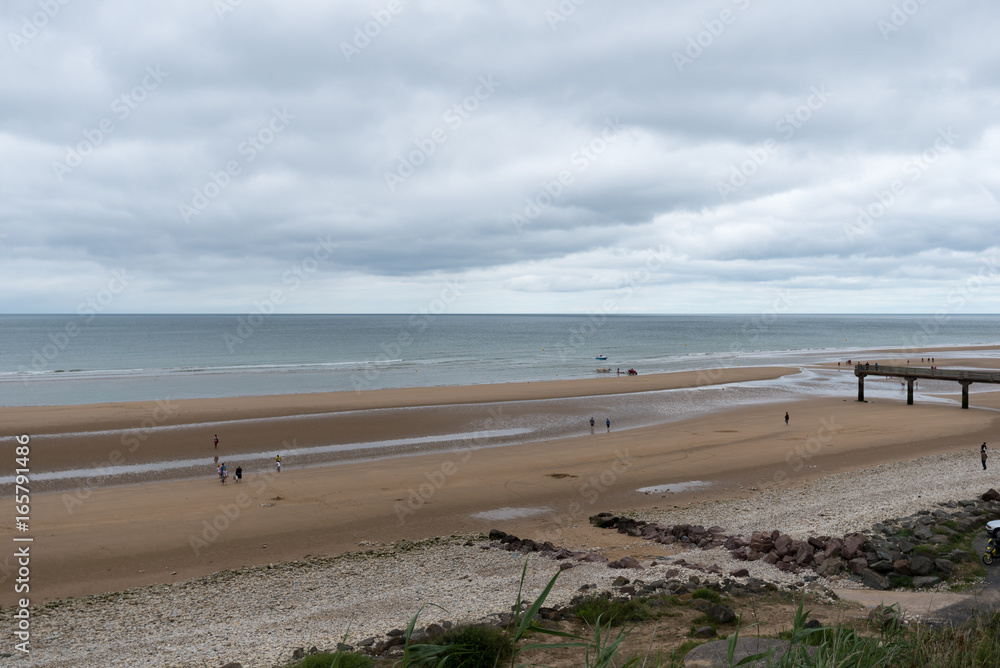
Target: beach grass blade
{"x": 422, "y": 654}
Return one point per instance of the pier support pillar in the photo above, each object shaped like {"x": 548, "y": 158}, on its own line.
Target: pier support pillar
{"x": 909, "y": 391}
{"x": 861, "y": 388}
{"x": 965, "y": 393}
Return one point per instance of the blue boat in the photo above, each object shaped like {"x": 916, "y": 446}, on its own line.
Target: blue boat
{"x": 601, "y": 357}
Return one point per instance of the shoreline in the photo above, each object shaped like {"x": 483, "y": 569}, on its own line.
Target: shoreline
{"x": 708, "y": 361}
{"x": 280, "y": 405}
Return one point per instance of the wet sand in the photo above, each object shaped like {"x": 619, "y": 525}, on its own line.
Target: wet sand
{"x": 143, "y": 434}
{"x": 96, "y": 540}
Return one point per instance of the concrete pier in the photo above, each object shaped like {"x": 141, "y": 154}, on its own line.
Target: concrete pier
{"x": 910, "y": 374}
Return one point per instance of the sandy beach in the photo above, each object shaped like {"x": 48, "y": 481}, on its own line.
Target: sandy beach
{"x": 94, "y": 539}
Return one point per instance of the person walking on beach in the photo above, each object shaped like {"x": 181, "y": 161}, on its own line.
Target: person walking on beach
{"x": 216, "y": 441}
{"x": 591, "y": 424}
{"x": 982, "y": 453}
{"x": 608, "y": 423}
{"x": 239, "y": 474}
{"x": 786, "y": 417}
{"x": 277, "y": 463}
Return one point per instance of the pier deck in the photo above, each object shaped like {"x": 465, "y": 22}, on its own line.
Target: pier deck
{"x": 911, "y": 373}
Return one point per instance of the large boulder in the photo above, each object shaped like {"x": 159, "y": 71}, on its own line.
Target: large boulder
{"x": 721, "y": 614}
{"x": 716, "y": 653}
{"x": 734, "y": 542}
{"x": 761, "y": 542}
{"x": 852, "y": 545}
{"x": 858, "y": 565}
{"x": 604, "y": 520}
{"x": 630, "y": 527}
{"x": 833, "y": 548}
{"x": 882, "y": 566}
{"x": 920, "y": 565}
{"x": 830, "y": 567}
{"x": 960, "y": 556}
{"x": 873, "y": 580}
{"x": 925, "y": 581}
{"x": 991, "y": 495}
{"x": 804, "y": 554}
{"x": 819, "y": 542}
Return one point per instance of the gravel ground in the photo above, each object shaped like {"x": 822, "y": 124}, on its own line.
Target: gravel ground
{"x": 842, "y": 502}
{"x": 258, "y": 616}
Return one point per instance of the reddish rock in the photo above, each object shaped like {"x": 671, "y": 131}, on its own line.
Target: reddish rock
{"x": 991, "y": 495}
{"x": 805, "y": 554}
{"x": 742, "y": 572}
{"x": 734, "y": 542}
{"x": 593, "y": 558}
{"x": 781, "y": 545}
{"x": 852, "y": 545}
{"x": 903, "y": 566}
{"x": 830, "y": 567}
{"x": 858, "y": 565}
{"x": 833, "y": 548}
{"x": 770, "y": 558}
{"x": 761, "y": 542}
{"x": 818, "y": 542}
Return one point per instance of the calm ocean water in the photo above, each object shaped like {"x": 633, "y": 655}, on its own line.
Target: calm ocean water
{"x": 61, "y": 359}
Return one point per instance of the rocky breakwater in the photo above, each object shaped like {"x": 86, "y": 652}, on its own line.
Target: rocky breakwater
{"x": 920, "y": 550}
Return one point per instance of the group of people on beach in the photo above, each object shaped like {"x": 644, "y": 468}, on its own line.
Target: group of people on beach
{"x": 223, "y": 471}
{"x": 607, "y": 423}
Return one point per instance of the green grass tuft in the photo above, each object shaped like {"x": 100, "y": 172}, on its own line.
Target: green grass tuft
{"x": 904, "y": 581}
{"x": 614, "y": 612}
{"x": 335, "y": 660}
{"x": 474, "y": 646}
{"x": 707, "y": 594}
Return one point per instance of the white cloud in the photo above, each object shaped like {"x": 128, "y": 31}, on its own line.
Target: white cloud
{"x": 537, "y": 136}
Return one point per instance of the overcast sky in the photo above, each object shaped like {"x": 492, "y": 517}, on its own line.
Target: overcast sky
{"x": 500, "y": 157}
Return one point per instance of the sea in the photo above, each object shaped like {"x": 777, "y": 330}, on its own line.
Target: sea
{"x": 76, "y": 359}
